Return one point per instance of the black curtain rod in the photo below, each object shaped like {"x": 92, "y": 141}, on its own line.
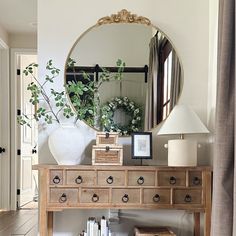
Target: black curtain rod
{"x": 97, "y": 68}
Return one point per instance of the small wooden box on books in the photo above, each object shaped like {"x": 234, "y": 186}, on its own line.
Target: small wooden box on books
{"x": 107, "y": 139}
{"x": 107, "y": 155}
{"x": 153, "y": 231}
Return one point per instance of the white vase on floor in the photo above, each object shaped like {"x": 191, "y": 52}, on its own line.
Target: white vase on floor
{"x": 66, "y": 144}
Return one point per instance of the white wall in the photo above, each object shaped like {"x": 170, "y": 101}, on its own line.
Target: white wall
{"x": 3, "y": 35}
{"x": 23, "y": 41}
{"x": 105, "y": 44}
{"x": 213, "y": 40}
{"x": 186, "y": 22}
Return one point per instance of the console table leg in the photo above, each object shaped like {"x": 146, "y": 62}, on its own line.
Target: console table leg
{"x": 43, "y": 216}
{"x": 196, "y": 223}
{"x": 50, "y": 223}
{"x": 207, "y": 228}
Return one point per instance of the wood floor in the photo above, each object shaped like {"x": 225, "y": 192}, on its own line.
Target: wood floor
{"x": 22, "y": 222}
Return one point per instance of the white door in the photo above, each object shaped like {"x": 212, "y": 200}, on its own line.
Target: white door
{"x": 27, "y": 137}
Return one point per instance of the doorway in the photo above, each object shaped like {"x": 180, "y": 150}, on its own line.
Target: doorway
{"x": 26, "y": 136}
{"x": 4, "y": 128}
{"x": 24, "y": 187}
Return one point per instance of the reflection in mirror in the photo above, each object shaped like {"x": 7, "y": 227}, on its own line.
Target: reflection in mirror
{"x": 138, "y": 73}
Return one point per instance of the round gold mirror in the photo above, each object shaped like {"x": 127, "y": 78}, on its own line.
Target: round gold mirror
{"x": 123, "y": 74}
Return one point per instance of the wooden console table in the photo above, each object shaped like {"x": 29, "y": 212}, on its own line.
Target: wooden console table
{"x": 124, "y": 187}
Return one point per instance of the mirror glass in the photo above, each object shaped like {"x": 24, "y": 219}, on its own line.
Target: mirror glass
{"x": 123, "y": 77}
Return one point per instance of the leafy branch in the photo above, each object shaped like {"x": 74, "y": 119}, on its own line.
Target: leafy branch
{"x": 38, "y": 91}
{"x": 84, "y": 96}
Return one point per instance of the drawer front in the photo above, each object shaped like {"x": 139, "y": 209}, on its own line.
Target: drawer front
{"x": 56, "y": 177}
{"x": 156, "y": 196}
{"x": 63, "y": 196}
{"x": 81, "y": 177}
{"x": 187, "y": 196}
{"x": 125, "y": 196}
{"x": 141, "y": 178}
{"x": 172, "y": 178}
{"x": 195, "y": 178}
{"x": 111, "y": 178}
{"x": 94, "y": 196}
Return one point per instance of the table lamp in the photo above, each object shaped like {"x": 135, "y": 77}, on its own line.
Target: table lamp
{"x": 182, "y": 120}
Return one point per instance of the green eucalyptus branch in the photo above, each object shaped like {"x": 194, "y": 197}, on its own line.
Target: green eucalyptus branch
{"x": 37, "y": 89}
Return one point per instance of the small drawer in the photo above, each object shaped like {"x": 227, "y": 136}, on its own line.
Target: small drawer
{"x": 141, "y": 178}
{"x": 63, "y": 196}
{"x": 94, "y": 195}
{"x": 81, "y": 177}
{"x": 195, "y": 178}
{"x": 187, "y": 196}
{"x": 111, "y": 178}
{"x": 125, "y": 196}
{"x": 56, "y": 177}
{"x": 171, "y": 178}
{"x": 156, "y": 196}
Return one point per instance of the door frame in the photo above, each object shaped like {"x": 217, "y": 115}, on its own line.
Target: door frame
{"x": 14, "y": 143}
{"x": 5, "y": 157}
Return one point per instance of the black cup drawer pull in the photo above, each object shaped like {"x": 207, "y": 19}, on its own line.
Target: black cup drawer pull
{"x": 79, "y": 180}
{"x": 172, "y": 180}
{"x": 156, "y": 198}
{"x": 110, "y": 180}
{"x": 188, "y": 198}
{"x": 140, "y": 180}
{"x": 95, "y": 198}
{"x": 196, "y": 181}
{"x": 125, "y": 198}
{"x": 56, "y": 180}
{"x": 63, "y": 198}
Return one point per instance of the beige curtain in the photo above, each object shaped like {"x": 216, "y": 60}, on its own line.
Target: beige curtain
{"x": 224, "y": 169}
{"x": 151, "y": 97}
{"x": 175, "y": 80}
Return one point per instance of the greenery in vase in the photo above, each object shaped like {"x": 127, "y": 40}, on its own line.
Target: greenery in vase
{"x": 84, "y": 96}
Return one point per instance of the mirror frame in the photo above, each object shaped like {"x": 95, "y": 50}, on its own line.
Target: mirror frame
{"x": 123, "y": 17}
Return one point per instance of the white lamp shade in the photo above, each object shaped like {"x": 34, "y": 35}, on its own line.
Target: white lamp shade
{"x": 182, "y": 120}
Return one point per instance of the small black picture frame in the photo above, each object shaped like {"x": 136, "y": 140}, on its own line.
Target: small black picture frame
{"x": 141, "y": 145}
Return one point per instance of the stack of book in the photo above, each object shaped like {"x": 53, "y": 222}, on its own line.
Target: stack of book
{"x": 95, "y": 228}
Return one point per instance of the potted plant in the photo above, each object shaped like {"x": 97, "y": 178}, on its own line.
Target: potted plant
{"x": 53, "y": 106}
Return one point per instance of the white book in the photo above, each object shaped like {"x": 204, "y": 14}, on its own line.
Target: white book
{"x": 103, "y": 227}
{"x": 88, "y": 227}
{"x": 95, "y": 229}
{"x": 91, "y": 224}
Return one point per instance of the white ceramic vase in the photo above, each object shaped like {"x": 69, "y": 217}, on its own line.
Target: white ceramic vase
{"x": 66, "y": 144}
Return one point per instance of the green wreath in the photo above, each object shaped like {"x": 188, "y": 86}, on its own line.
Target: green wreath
{"x": 129, "y": 107}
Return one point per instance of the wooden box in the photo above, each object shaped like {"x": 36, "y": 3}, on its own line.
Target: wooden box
{"x": 107, "y": 139}
{"x": 107, "y": 155}
{"x": 153, "y": 231}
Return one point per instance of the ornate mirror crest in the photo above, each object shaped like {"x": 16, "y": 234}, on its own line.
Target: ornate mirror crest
{"x": 124, "y": 16}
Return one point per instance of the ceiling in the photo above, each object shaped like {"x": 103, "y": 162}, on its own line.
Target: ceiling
{"x": 18, "y": 16}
